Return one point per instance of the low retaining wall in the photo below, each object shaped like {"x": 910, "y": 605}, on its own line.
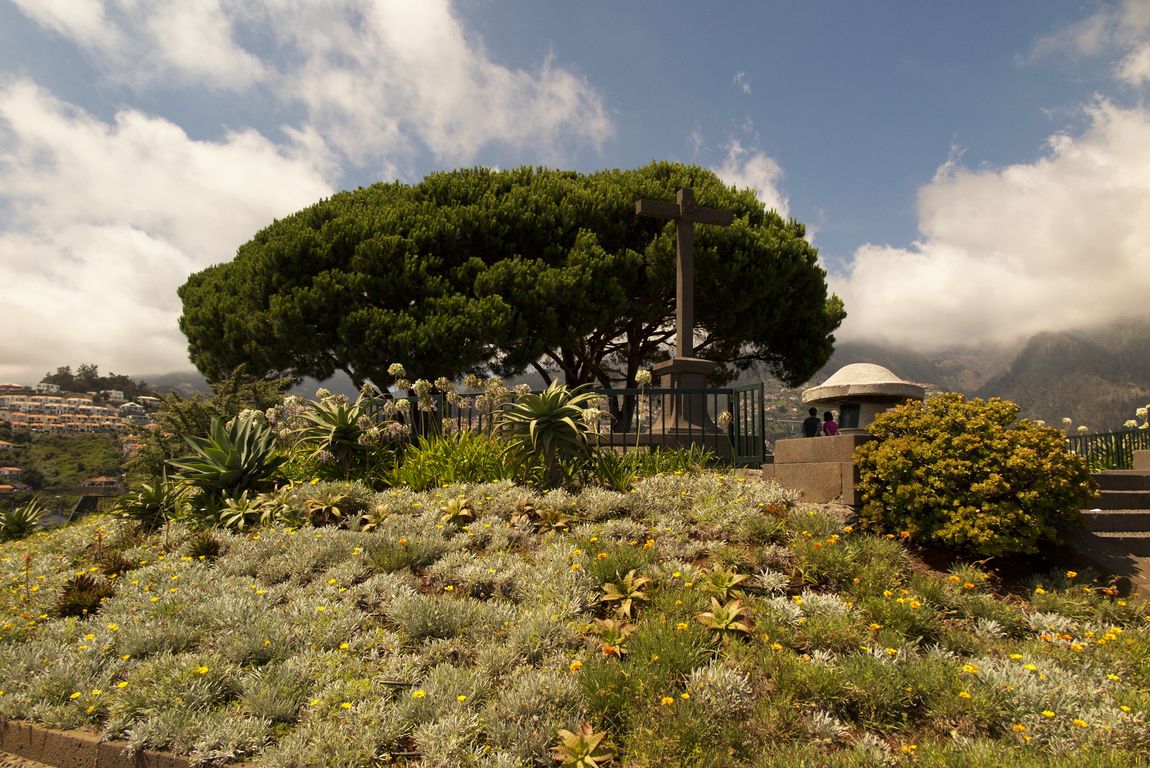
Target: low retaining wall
{"x": 821, "y": 469}
{"x": 78, "y": 749}
{"x": 1142, "y": 460}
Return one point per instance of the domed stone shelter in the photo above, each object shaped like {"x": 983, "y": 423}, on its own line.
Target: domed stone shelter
{"x": 822, "y": 468}
{"x": 861, "y": 391}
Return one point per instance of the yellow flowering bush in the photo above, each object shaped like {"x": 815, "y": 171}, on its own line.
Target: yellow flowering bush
{"x": 964, "y": 474}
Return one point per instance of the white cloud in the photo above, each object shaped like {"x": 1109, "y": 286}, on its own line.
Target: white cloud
{"x": 155, "y": 42}
{"x": 104, "y": 221}
{"x": 1121, "y": 31}
{"x": 743, "y": 168}
{"x": 743, "y": 82}
{"x": 1056, "y": 244}
{"x": 380, "y": 80}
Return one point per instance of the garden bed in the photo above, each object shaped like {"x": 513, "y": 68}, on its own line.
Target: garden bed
{"x": 698, "y": 620}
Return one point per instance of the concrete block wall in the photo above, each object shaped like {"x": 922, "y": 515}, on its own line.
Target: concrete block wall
{"x": 821, "y": 469}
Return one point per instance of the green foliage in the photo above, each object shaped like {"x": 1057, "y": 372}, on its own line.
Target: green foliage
{"x": 481, "y": 266}
{"x": 151, "y": 505}
{"x": 463, "y": 457}
{"x": 21, "y": 521}
{"x": 549, "y": 427}
{"x": 584, "y": 749}
{"x": 65, "y": 461}
{"x": 625, "y": 591}
{"x": 965, "y": 475}
{"x": 233, "y": 458}
{"x": 342, "y": 440}
{"x": 231, "y": 394}
{"x": 87, "y": 378}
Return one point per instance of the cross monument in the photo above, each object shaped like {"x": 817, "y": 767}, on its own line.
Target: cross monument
{"x": 687, "y": 414}
{"x": 685, "y": 214}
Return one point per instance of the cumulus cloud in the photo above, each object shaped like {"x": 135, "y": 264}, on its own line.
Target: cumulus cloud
{"x": 103, "y": 221}
{"x": 743, "y": 82}
{"x": 380, "y": 81}
{"x": 1055, "y": 244}
{"x": 158, "y": 42}
{"x": 1121, "y": 31}
{"x": 743, "y": 168}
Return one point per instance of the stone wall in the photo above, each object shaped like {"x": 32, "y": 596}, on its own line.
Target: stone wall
{"x": 822, "y": 469}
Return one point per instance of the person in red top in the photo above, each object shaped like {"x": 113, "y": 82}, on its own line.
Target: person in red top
{"x": 829, "y": 425}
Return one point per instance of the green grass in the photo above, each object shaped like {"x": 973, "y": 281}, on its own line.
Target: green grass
{"x": 475, "y": 644}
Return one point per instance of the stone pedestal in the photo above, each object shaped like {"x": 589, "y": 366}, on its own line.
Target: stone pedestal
{"x": 684, "y": 414}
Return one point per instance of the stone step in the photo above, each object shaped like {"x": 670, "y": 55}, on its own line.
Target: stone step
{"x": 1122, "y": 500}
{"x": 1123, "y": 554}
{"x": 1123, "y": 480}
{"x": 1137, "y": 520}
{"x": 1134, "y": 543}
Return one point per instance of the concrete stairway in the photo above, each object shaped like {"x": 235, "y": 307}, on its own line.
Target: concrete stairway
{"x": 1116, "y": 532}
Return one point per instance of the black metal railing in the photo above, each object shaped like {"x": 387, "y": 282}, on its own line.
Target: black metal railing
{"x": 728, "y": 421}
{"x": 1110, "y": 450}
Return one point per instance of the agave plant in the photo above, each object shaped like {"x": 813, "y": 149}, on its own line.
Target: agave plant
{"x": 549, "y": 426}
{"x": 339, "y": 435}
{"x": 233, "y": 458}
{"x": 625, "y": 591}
{"x": 727, "y": 620}
{"x": 581, "y": 750}
{"x": 152, "y": 504}
{"x": 21, "y": 521}
{"x": 723, "y": 583}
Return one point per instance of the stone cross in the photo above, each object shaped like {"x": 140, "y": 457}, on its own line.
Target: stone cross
{"x": 685, "y": 214}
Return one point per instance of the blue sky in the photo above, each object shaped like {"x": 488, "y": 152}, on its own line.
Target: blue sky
{"x": 971, "y": 172}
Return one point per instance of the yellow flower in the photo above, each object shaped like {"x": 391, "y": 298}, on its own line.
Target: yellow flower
{"x": 1016, "y": 655}
{"x": 449, "y": 588}
{"x": 668, "y": 700}
{"x": 345, "y": 705}
{"x": 776, "y": 647}
{"x": 461, "y": 698}
{"x": 684, "y": 695}
{"x": 201, "y": 670}
{"x": 875, "y": 627}
{"x": 75, "y": 695}
{"x": 963, "y": 695}
{"x": 1018, "y": 727}
{"x": 1079, "y": 722}
{"x": 969, "y": 669}
{"x": 1047, "y": 713}
{"x": 681, "y": 625}
{"x": 344, "y": 646}
{"x": 575, "y": 666}
{"x": 122, "y": 684}
{"x": 1071, "y": 574}
{"x": 418, "y": 693}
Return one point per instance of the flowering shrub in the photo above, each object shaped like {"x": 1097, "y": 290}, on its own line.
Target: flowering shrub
{"x": 965, "y": 475}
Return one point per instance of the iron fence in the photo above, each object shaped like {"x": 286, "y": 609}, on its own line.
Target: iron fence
{"x": 729, "y": 421}
{"x": 1110, "y": 450}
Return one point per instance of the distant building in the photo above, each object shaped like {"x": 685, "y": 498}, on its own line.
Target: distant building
{"x": 149, "y": 402}
{"x": 113, "y": 395}
{"x": 45, "y": 388}
{"x": 7, "y": 446}
{"x": 9, "y": 473}
{"x": 102, "y": 482}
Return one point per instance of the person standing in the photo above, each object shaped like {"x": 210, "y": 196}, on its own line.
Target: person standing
{"x": 811, "y": 423}
{"x": 830, "y": 427}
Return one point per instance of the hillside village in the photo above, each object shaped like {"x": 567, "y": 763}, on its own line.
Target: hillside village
{"x": 43, "y": 409}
